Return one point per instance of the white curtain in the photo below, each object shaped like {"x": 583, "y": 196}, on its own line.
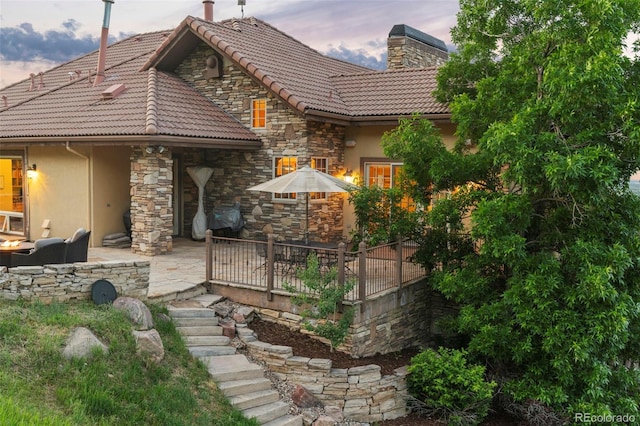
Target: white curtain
{"x": 200, "y": 176}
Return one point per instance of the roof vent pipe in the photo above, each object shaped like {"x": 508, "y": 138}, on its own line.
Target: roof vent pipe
{"x": 208, "y": 10}
{"x": 104, "y": 37}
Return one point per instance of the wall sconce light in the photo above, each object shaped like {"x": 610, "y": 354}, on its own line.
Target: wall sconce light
{"x": 32, "y": 171}
{"x": 155, "y": 148}
{"x": 350, "y": 143}
{"x": 348, "y": 176}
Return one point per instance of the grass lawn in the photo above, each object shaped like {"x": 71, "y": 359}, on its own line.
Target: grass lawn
{"x": 39, "y": 387}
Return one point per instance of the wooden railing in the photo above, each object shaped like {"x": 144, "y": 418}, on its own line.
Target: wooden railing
{"x": 268, "y": 264}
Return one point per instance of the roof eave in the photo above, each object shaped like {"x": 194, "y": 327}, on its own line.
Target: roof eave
{"x": 169, "y": 141}
{"x": 372, "y": 120}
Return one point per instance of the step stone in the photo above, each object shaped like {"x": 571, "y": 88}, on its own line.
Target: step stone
{"x": 190, "y": 312}
{"x": 192, "y": 322}
{"x": 201, "y": 330}
{"x": 267, "y": 413}
{"x": 232, "y": 367}
{"x": 254, "y": 399}
{"x": 238, "y": 387}
{"x": 287, "y": 420}
{"x": 206, "y": 340}
{"x": 211, "y": 351}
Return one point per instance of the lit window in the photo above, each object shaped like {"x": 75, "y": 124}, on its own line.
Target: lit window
{"x": 321, "y": 164}
{"x": 283, "y": 166}
{"x": 259, "y": 113}
{"x": 387, "y": 175}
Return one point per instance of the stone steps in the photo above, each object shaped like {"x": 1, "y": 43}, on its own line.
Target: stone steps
{"x": 240, "y": 380}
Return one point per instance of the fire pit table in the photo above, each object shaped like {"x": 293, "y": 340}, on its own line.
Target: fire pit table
{"x": 8, "y": 247}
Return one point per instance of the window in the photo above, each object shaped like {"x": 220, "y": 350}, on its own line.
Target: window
{"x": 321, "y": 164}
{"x": 386, "y": 175}
{"x": 259, "y": 113}
{"x": 283, "y": 166}
{"x": 11, "y": 194}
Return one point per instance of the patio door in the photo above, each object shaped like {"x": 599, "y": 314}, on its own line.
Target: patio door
{"x": 12, "y": 208}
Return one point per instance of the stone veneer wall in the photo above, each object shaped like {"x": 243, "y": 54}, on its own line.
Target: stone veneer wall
{"x": 73, "y": 281}
{"x": 151, "y": 182}
{"x": 405, "y": 52}
{"x": 362, "y": 393}
{"x": 287, "y": 135}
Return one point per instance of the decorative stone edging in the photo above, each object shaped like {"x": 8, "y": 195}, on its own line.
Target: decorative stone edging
{"x": 362, "y": 393}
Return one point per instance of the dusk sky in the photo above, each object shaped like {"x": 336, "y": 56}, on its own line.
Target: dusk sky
{"x": 37, "y": 35}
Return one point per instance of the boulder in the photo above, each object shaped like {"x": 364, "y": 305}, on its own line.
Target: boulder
{"x": 149, "y": 344}
{"x": 304, "y": 399}
{"x": 81, "y": 344}
{"x": 136, "y": 310}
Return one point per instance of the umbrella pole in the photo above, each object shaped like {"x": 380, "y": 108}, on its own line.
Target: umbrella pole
{"x": 306, "y": 231}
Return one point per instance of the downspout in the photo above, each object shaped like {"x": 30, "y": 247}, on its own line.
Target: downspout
{"x": 104, "y": 37}
{"x": 89, "y": 191}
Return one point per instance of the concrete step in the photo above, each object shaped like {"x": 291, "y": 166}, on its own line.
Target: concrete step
{"x": 206, "y": 340}
{"x": 267, "y": 413}
{"x": 287, "y": 420}
{"x": 225, "y": 368}
{"x": 254, "y": 399}
{"x": 175, "y": 312}
{"x": 191, "y": 322}
{"x": 210, "y": 351}
{"x": 201, "y": 330}
{"x": 239, "y": 387}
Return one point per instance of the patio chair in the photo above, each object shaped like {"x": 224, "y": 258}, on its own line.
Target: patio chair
{"x": 77, "y": 246}
{"x": 46, "y": 251}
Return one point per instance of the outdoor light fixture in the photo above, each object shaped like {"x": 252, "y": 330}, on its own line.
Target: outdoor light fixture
{"x": 348, "y": 176}
{"x": 32, "y": 171}
{"x": 155, "y": 148}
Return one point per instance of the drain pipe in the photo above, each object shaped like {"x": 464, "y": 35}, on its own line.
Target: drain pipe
{"x": 89, "y": 218}
{"x": 104, "y": 37}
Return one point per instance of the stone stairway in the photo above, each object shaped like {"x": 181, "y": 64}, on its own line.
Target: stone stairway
{"x": 241, "y": 381}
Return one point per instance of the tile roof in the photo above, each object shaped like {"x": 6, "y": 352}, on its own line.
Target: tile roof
{"x": 69, "y": 107}
{"x": 157, "y": 104}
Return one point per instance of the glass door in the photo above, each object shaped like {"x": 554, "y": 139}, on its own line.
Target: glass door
{"x": 12, "y": 195}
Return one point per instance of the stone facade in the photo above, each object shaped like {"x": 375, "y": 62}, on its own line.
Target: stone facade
{"x": 362, "y": 393}
{"x": 73, "y": 281}
{"x": 287, "y": 135}
{"x": 406, "y": 52}
{"x": 151, "y": 182}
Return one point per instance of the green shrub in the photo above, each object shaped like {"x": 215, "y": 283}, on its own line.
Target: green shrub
{"x": 449, "y": 387}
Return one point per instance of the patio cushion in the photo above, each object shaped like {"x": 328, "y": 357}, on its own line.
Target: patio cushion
{"x": 79, "y": 233}
{"x": 43, "y": 242}
{"x": 78, "y": 246}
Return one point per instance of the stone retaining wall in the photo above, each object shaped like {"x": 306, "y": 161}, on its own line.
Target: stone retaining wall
{"x": 362, "y": 393}
{"x": 73, "y": 281}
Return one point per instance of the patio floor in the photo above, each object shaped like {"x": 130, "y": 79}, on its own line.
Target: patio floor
{"x": 181, "y": 270}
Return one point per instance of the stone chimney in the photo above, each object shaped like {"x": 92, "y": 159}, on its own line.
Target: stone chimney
{"x": 410, "y": 48}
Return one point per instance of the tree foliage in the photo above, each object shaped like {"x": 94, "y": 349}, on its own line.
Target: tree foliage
{"x": 538, "y": 236}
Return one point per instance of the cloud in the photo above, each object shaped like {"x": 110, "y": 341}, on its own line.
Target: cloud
{"x": 358, "y": 57}
{"x": 23, "y": 43}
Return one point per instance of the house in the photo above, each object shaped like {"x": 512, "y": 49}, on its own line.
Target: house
{"x": 115, "y": 130}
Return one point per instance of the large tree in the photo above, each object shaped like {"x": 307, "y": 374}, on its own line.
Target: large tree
{"x": 537, "y": 236}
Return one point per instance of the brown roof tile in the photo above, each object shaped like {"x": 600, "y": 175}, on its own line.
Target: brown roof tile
{"x": 68, "y": 107}
{"x": 384, "y": 93}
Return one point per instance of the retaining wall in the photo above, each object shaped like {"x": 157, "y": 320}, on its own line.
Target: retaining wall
{"x": 73, "y": 281}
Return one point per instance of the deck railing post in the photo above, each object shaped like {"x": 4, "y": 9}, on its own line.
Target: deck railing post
{"x": 342, "y": 247}
{"x": 399, "y": 258}
{"x": 270, "y": 267}
{"x": 208, "y": 251}
{"x": 362, "y": 271}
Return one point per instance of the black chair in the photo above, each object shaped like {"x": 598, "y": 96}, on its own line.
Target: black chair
{"x": 47, "y": 251}
{"x": 77, "y": 246}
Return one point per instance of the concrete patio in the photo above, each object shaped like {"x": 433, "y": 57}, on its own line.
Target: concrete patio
{"x": 179, "y": 272}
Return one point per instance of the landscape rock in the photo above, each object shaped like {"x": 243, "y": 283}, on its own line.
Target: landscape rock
{"x": 137, "y": 312}
{"x": 304, "y": 399}
{"x": 149, "y": 344}
{"x": 81, "y": 343}
{"x": 224, "y": 308}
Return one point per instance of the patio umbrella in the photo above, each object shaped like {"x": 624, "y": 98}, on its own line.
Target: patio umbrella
{"x": 304, "y": 180}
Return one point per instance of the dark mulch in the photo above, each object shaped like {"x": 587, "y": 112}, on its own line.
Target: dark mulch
{"x": 303, "y": 345}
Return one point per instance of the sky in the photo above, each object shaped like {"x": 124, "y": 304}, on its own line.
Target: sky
{"x": 38, "y": 35}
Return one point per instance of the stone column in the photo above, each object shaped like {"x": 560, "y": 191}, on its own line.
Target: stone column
{"x": 151, "y": 202}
